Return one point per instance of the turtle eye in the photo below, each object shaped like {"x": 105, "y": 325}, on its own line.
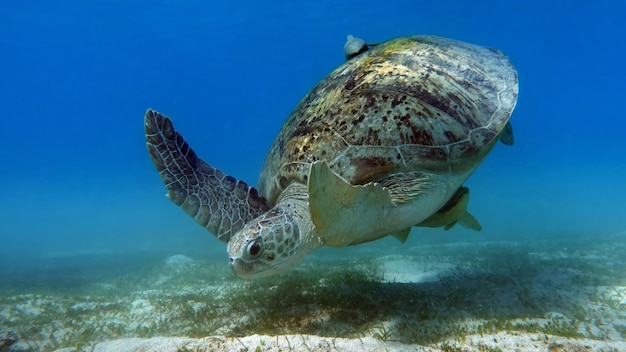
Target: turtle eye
{"x": 254, "y": 249}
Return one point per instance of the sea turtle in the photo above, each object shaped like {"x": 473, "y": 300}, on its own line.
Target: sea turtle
{"x": 383, "y": 143}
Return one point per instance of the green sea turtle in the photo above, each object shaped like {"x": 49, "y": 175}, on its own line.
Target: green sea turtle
{"x": 383, "y": 143}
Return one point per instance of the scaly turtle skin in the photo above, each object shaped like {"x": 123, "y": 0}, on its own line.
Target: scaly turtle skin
{"x": 383, "y": 143}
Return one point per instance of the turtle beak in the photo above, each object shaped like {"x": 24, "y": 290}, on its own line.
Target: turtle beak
{"x": 240, "y": 267}
{"x": 247, "y": 270}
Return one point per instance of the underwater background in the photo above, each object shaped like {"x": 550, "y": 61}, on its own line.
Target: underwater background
{"x": 76, "y": 78}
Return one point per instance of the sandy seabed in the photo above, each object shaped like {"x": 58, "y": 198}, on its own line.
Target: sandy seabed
{"x": 549, "y": 295}
{"x": 520, "y": 342}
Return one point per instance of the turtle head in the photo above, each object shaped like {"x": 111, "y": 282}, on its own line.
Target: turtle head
{"x": 272, "y": 243}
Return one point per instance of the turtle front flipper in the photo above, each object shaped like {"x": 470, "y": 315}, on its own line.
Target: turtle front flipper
{"x": 346, "y": 214}
{"x": 334, "y": 203}
{"x": 217, "y": 201}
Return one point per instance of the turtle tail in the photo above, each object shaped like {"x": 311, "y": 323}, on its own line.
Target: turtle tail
{"x": 218, "y": 202}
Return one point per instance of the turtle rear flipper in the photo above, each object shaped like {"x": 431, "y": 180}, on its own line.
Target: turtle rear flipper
{"x": 452, "y": 213}
{"x": 217, "y": 201}
{"x": 506, "y": 136}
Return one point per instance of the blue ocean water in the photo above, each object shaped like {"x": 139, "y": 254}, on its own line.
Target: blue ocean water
{"x": 76, "y": 78}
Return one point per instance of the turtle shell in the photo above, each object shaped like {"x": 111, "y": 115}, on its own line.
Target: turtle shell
{"x": 412, "y": 103}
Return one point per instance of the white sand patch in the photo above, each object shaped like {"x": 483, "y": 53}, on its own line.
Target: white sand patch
{"x": 614, "y": 294}
{"x": 404, "y": 269}
{"x": 178, "y": 260}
